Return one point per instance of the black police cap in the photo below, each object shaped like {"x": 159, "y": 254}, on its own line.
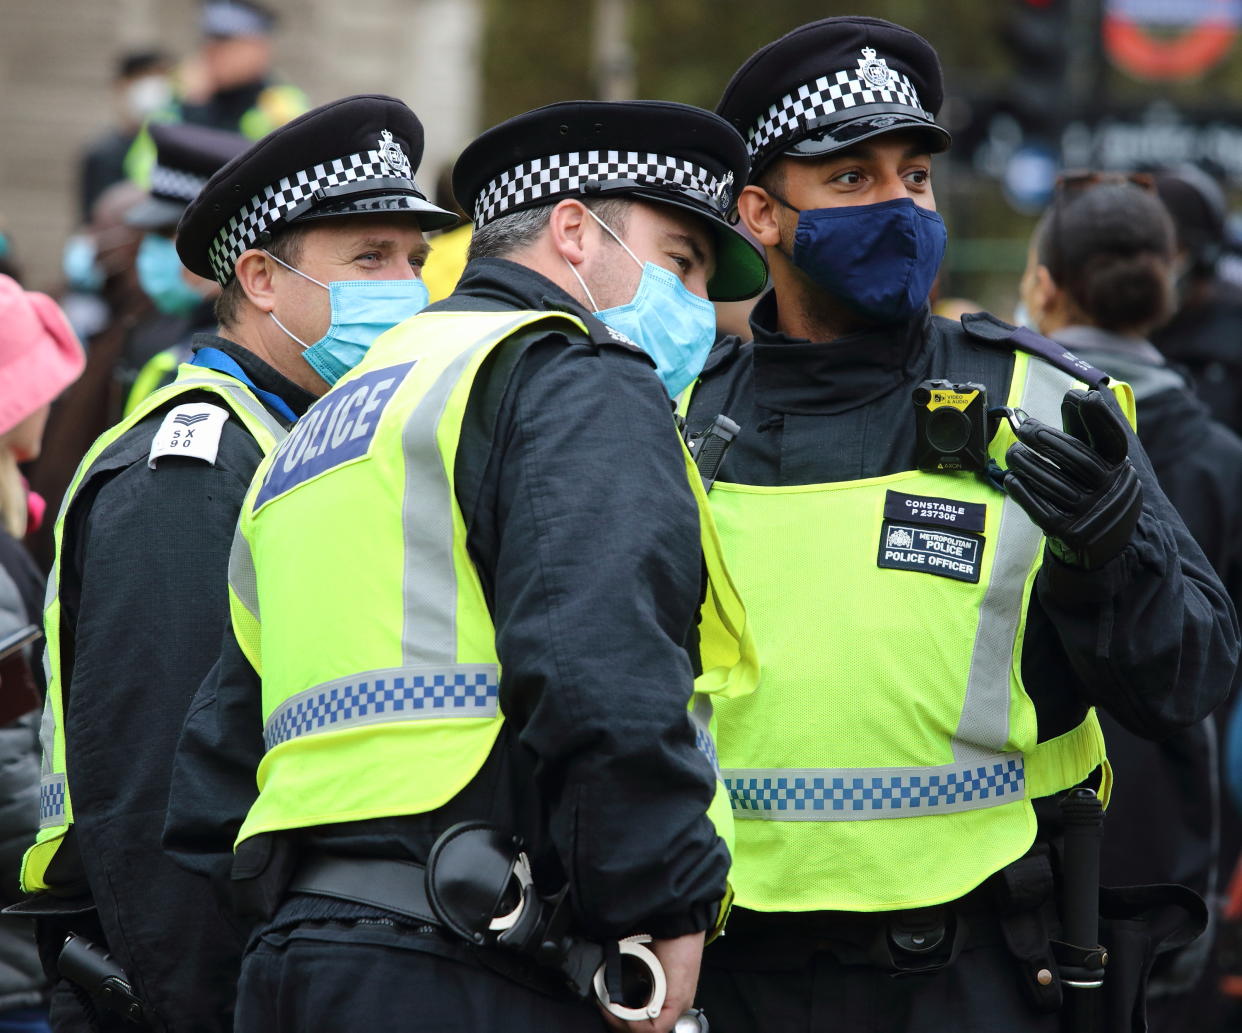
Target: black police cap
{"x": 186, "y": 156}
{"x": 831, "y": 84}
{"x": 355, "y": 156}
{"x": 229, "y": 19}
{"x": 658, "y": 151}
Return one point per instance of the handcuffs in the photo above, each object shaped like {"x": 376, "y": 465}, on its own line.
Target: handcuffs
{"x": 480, "y": 886}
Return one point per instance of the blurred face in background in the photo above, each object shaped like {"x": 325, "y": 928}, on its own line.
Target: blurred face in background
{"x": 236, "y": 60}
{"x": 139, "y": 96}
{"x": 25, "y": 440}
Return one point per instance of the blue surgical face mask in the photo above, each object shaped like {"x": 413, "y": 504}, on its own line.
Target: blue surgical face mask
{"x": 880, "y": 259}
{"x": 159, "y": 274}
{"x": 361, "y": 311}
{"x": 672, "y": 325}
{"x": 80, "y": 264}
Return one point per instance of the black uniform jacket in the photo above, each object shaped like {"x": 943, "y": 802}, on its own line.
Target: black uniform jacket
{"x": 585, "y": 535}
{"x": 143, "y": 578}
{"x": 1151, "y": 637}
{"x": 1173, "y": 785}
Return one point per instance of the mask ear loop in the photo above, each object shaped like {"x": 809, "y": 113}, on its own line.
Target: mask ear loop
{"x": 612, "y": 233}
{"x": 280, "y": 261}
{"x": 582, "y": 284}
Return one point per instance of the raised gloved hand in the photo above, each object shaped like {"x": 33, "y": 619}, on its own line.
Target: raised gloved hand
{"x": 1077, "y": 485}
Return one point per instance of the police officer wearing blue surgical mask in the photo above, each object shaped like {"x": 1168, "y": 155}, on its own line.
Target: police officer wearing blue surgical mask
{"x": 935, "y": 626}
{"x": 139, "y": 598}
{"x": 601, "y": 233}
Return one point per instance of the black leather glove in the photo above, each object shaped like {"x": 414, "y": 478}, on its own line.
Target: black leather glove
{"x": 1077, "y": 485}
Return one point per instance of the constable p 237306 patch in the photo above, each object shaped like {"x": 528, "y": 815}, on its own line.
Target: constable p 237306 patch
{"x": 952, "y": 554}
{"x": 935, "y": 512}
{"x": 336, "y": 429}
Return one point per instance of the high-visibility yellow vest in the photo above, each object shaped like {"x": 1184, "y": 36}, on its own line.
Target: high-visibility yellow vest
{"x": 55, "y": 802}
{"x": 890, "y": 754}
{"x": 151, "y": 377}
{"x": 354, "y": 597}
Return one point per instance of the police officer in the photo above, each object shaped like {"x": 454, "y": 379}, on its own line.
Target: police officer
{"x": 932, "y": 643}
{"x": 315, "y": 236}
{"x": 236, "y": 59}
{"x": 186, "y": 157}
{"x": 499, "y": 483}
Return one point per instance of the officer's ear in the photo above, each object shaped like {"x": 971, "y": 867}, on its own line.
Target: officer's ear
{"x": 758, "y": 210}
{"x": 256, "y": 271}
{"x": 568, "y": 228}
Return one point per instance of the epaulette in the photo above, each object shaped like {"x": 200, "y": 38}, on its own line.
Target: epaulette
{"x": 983, "y": 326}
{"x": 601, "y": 333}
{"x": 190, "y": 431}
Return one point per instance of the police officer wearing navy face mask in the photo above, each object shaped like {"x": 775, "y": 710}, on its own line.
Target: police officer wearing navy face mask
{"x": 137, "y": 599}
{"x": 936, "y": 615}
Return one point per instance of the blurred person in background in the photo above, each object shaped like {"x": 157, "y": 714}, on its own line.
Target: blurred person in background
{"x": 142, "y": 88}
{"x": 1099, "y": 277}
{"x": 39, "y": 358}
{"x": 106, "y": 263}
{"x": 1204, "y": 335}
{"x": 186, "y": 157}
{"x": 312, "y": 266}
{"x": 233, "y": 68}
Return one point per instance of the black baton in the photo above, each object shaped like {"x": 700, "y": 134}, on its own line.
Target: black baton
{"x": 1082, "y": 958}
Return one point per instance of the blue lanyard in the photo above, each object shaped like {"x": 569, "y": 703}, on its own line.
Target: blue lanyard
{"x": 214, "y": 358}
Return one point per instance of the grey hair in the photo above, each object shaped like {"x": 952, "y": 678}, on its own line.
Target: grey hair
{"x": 510, "y": 233}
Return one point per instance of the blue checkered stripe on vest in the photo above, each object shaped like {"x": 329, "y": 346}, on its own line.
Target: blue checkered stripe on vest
{"x": 707, "y": 746}
{"x": 397, "y": 694}
{"x": 52, "y": 800}
{"x": 883, "y": 794}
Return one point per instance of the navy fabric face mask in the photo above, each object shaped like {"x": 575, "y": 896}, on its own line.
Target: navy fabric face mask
{"x": 880, "y": 259}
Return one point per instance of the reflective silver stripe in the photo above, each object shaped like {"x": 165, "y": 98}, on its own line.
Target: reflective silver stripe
{"x": 242, "y": 397}
{"x": 386, "y": 695}
{"x": 794, "y": 794}
{"x": 701, "y": 718}
{"x": 51, "y": 801}
{"x": 242, "y": 578}
{"x": 983, "y": 729}
{"x": 429, "y": 632}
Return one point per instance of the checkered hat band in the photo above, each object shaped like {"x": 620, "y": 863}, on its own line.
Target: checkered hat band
{"x": 826, "y": 96}
{"x": 175, "y": 184}
{"x": 567, "y": 173}
{"x": 266, "y": 209}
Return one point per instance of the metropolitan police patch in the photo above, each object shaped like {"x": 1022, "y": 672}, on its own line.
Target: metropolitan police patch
{"x": 952, "y": 554}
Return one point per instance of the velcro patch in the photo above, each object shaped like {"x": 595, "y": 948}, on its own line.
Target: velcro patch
{"x": 337, "y": 428}
{"x": 934, "y": 512}
{"x": 191, "y": 430}
{"x": 954, "y": 554}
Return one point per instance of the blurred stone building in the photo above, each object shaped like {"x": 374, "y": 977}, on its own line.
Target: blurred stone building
{"x": 57, "y": 59}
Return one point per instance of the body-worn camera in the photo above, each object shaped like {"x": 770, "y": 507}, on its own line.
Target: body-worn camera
{"x": 951, "y": 424}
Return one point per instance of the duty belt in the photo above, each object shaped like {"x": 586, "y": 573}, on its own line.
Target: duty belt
{"x": 477, "y": 884}
{"x": 398, "y": 886}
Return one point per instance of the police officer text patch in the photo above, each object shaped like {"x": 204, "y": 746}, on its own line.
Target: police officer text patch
{"x": 954, "y": 554}
{"x": 337, "y": 428}
{"x": 191, "y": 430}
{"x": 924, "y": 509}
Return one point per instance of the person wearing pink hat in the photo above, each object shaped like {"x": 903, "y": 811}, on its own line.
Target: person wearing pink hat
{"x": 39, "y": 358}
